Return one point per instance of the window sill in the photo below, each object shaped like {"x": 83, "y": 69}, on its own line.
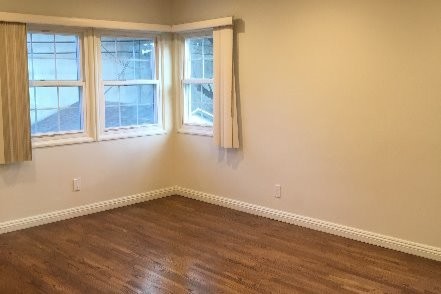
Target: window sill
{"x": 196, "y": 130}
{"x": 132, "y": 133}
{"x": 42, "y": 142}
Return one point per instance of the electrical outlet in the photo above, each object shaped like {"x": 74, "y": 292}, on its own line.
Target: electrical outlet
{"x": 277, "y": 191}
{"x": 76, "y": 184}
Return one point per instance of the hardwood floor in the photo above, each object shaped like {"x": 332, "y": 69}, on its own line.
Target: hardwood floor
{"x": 178, "y": 245}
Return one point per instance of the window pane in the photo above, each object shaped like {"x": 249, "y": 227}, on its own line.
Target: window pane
{"x": 37, "y": 37}
{"x": 53, "y": 57}
{"x": 70, "y": 119}
{"x": 146, "y": 114}
{"x": 130, "y": 95}
{"x": 198, "y": 98}
{"x": 148, "y": 95}
{"x": 208, "y": 68}
{"x": 145, "y": 49}
{"x": 67, "y": 59}
{"x": 33, "y": 120}
{"x": 144, "y": 70}
{"x": 127, "y": 58}
{"x": 128, "y": 115}
{"x": 108, "y": 59}
{"x": 130, "y": 105}
{"x": 195, "y": 47}
{"x": 125, "y": 69}
{"x": 44, "y": 67}
{"x": 46, "y": 97}
{"x": 197, "y": 69}
{"x": 65, "y": 69}
{"x": 69, "y": 97}
{"x": 147, "y": 110}
{"x": 65, "y": 38}
{"x": 199, "y": 104}
{"x": 32, "y": 97}
{"x": 30, "y": 67}
{"x": 46, "y": 121}
{"x": 43, "y": 47}
{"x": 199, "y": 61}
{"x": 111, "y": 95}
{"x": 56, "y": 109}
{"x": 112, "y": 117}
{"x": 208, "y": 47}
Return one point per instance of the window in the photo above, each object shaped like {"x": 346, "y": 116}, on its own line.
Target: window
{"x": 56, "y": 83}
{"x": 130, "y": 87}
{"x": 198, "y": 83}
{"x": 62, "y": 63}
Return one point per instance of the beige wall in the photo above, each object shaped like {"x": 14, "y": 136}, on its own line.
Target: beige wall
{"x": 108, "y": 169}
{"x": 151, "y": 11}
{"x": 340, "y": 103}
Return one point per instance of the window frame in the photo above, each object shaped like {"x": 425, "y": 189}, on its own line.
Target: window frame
{"x": 84, "y": 82}
{"x": 186, "y": 127}
{"x": 122, "y": 132}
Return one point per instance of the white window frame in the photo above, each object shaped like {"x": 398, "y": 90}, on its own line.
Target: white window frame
{"x": 136, "y": 130}
{"x": 185, "y": 127}
{"x": 86, "y": 71}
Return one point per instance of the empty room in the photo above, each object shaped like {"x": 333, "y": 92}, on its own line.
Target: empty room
{"x": 220, "y": 146}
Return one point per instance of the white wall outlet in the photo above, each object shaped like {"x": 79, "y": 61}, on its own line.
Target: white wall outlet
{"x": 277, "y": 191}
{"x": 76, "y": 184}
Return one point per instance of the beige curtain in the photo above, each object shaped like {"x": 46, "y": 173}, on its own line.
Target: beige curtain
{"x": 15, "y": 136}
{"x": 225, "y": 126}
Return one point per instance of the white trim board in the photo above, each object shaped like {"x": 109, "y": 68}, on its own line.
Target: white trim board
{"x": 60, "y": 215}
{"x": 36, "y": 19}
{"x": 202, "y": 25}
{"x": 397, "y": 244}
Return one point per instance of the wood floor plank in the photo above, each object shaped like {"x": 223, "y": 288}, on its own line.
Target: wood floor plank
{"x": 178, "y": 245}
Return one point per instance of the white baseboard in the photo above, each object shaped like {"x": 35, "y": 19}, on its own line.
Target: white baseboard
{"x": 59, "y": 215}
{"x": 418, "y": 249}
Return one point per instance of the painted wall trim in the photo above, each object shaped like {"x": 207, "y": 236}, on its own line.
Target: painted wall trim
{"x": 202, "y": 25}
{"x": 59, "y": 215}
{"x": 389, "y": 242}
{"x": 34, "y": 19}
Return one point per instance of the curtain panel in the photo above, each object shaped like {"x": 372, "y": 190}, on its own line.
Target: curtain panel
{"x": 15, "y": 133}
{"x": 225, "y": 126}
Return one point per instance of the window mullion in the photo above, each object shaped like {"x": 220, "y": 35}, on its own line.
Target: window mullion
{"x": 55, "y": 57}
{"x": 119, "y": 105}
{"x": 198, "y": 81}
{"x": 58, "y": 110}
{"x": 56, "y": 83}
{"x": 131, "y": 82}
